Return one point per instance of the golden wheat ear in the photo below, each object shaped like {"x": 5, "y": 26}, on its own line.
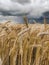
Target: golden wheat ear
{"x": 26, "y": 21}
{"x": 45, "y": 22}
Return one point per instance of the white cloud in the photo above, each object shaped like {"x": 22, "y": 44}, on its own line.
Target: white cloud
{"x": 39, "y": 7}
{"x": 34, "y": 7}
{"x": 11, "y": 18}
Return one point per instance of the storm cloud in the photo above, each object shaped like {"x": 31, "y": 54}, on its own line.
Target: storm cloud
{"x": 31, "y": 8}
{"x": 22, "y": 1}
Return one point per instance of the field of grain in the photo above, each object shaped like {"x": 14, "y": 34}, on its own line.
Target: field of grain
{"x": 24, "y": 44}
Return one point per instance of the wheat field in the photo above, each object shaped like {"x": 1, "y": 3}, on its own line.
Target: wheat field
{"x": 24, "y": 44}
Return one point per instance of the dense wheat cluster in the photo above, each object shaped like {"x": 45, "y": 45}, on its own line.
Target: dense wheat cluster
{"x": 24, "y": 44}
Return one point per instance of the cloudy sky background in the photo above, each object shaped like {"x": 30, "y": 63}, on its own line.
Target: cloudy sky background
{"x": 15, "y": 9}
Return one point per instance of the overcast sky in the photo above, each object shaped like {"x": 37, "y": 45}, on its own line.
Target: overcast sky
{"x": 15, "y": 9}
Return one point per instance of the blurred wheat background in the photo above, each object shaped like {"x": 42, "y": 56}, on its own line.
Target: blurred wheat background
{"x": 24, "y": 44}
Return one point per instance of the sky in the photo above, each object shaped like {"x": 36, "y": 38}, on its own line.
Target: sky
{"x": 15, "y": 9}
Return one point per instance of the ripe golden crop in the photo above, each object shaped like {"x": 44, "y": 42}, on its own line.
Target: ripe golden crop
{"x": 22, "y": 44}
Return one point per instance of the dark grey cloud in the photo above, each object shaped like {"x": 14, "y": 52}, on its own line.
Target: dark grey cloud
{"x": 34, "y": 8}
{"x": 10, "y": 13}
{"x": 22, "y": 1}
{"x": 11, "y": 8}
{"x": 31, "y": 8}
